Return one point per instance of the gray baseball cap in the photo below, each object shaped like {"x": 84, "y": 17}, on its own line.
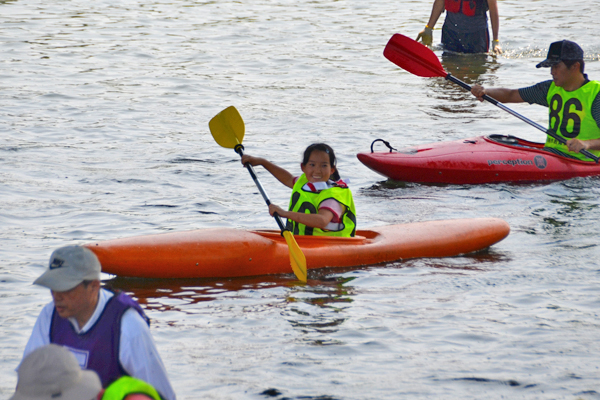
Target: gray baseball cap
{"x": 52, "y": 372}
{"x": 560, "y": 51}
{"x": 68, "y": 267}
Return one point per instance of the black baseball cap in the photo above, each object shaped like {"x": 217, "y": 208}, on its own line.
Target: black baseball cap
{"x": 560, "y": 51}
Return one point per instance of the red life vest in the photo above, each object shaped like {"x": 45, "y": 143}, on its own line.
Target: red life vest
{"x": 467, "y": 7}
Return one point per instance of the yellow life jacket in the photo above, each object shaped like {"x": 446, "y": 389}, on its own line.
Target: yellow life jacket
{"x": 571, "y": 116}
{"x": 126, "y": 385}
{"x": 306, "y": 199}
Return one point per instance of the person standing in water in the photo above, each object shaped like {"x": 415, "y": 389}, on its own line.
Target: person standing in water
{"x": 465, "y": 28}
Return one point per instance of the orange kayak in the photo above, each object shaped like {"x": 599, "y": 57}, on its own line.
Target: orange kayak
{"x": 224, "y": 252}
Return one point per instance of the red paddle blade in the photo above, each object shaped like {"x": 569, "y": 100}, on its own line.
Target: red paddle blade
{"x": 414, "y": 57}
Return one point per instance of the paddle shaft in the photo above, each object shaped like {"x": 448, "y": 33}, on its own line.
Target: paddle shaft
{"x": 521, "y": 117}
{"x": 240, "y": 150}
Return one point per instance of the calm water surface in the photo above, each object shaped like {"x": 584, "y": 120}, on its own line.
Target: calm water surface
{"x": 104, "y": 110}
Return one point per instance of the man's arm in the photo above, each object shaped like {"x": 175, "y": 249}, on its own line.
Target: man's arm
{"x": 501, "y": 94}
{"x": 139, "y": 356}
{"x": 40, "y": 336}
{"x": 577, "y": 145}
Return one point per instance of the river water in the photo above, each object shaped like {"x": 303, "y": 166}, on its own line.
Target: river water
{"x": 104, "y": 110}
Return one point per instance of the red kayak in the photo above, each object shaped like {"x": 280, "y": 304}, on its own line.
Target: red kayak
{"x": 483, "y": 159}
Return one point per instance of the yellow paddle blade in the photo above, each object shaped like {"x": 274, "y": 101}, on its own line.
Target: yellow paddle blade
{"x": 227, "y": 128}
{"x": 297, "y": 258}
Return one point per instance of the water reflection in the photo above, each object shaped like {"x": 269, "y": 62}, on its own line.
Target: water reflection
{"x": 469, "y": 68}
{"x": 314, "y": 309}
{"x": 564, "y": 208}
{"x": 380, "y": 188}
{"x": 319, "y": 309}
{"x": 561, "y": 216}
{"x": 476, "y": 261}
{"x": 180, "y": 294}
{"x": 322, "y": 289}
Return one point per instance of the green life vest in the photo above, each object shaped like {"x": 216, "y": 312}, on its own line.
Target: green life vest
{"x": 126, "y": 385}
{"x": 304, "y": 200}
{"x": 571, "y": 116}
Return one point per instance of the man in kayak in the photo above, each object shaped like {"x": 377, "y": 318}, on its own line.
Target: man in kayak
{"x": 52, "y": 372}
{"x": 572, "y": 100}
{"x": 465, "y": 28}
{"x": 106, "y": 331}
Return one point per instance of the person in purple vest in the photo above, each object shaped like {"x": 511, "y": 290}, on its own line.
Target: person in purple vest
{"x": 107, "y": 331}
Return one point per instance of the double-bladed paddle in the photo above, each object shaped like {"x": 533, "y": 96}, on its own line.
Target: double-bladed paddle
{"x": 227, "y": 128}
{"x": 419, "y": 60}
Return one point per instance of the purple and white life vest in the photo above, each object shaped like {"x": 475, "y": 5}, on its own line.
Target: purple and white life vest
{"x": 98, "y": 348}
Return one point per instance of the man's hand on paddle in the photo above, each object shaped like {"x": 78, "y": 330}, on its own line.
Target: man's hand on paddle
{"x": 577, "y": 145}
{"x": 478, "y": 91}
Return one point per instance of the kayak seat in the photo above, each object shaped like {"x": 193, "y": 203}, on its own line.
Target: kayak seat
{"x": 510, "y": 140}
{"x": 310, "y": 241}
{"x": 504, "y": 139}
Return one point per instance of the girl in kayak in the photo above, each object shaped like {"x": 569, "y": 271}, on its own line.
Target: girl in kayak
{"x": 321, "y": 203}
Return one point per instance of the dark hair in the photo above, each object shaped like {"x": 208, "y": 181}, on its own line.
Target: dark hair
{"x": 325, "y": 149}
{"x": 569, "y": 64}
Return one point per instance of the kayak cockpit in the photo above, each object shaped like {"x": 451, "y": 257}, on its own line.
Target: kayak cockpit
{"x": 509, "y": 140}
{"x": 321, "y": 241}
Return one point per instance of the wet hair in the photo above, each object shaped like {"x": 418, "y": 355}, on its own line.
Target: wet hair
{"x": 569, "y": 64}
{"x": 325, "y": 149}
